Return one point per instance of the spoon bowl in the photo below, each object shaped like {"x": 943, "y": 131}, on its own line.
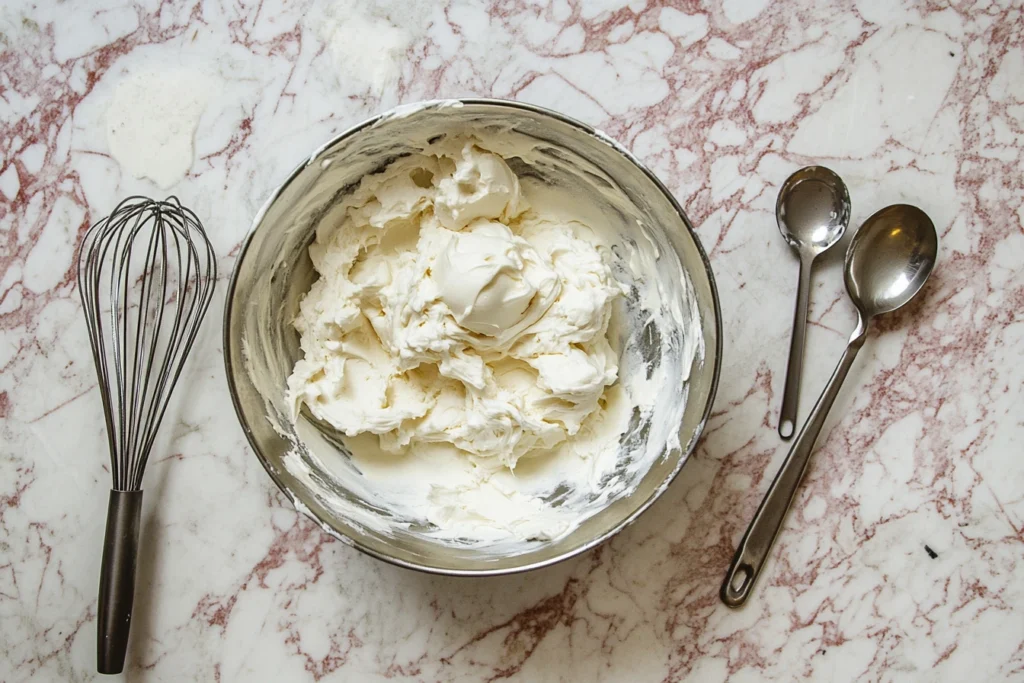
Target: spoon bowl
{"x": 813, "y": 209}
{"x": 890, "y": 258}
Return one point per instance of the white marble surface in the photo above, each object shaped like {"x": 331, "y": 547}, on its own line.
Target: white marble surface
{"x": 907, "y": 103}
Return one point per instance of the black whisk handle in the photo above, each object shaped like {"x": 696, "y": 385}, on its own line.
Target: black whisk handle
{"x": 117, "y": 580}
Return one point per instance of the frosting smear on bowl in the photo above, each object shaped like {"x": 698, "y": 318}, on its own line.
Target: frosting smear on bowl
{"x": 456, "y": 333}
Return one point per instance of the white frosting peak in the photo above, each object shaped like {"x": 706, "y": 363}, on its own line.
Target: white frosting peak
{"x": 479, "y": 185}
{"x": 494, "y": 282}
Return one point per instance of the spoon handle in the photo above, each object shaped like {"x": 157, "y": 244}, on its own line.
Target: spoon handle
{"x": 757, "y": 542}
{"x": 791, "y": 392}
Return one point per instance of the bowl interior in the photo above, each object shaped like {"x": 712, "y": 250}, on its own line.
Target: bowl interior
{"x": 274, "y": 271}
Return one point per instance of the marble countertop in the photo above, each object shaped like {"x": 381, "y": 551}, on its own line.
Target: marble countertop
{"x": 903, "y": 557}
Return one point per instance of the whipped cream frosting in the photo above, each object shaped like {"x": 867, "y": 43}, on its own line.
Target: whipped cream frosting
{"x": 463, "y": 330}
{"x": 493, "y": 220}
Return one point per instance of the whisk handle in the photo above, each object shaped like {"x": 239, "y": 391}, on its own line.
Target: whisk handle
{"x": 117, "y": 580}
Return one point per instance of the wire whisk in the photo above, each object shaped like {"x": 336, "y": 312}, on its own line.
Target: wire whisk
{"x": 146, "y": 275}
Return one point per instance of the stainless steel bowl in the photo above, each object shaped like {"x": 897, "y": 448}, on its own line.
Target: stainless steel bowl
{"x": 273, "y": 271}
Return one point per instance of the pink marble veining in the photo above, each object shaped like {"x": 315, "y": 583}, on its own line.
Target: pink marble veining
{"x": 922, "y": 103}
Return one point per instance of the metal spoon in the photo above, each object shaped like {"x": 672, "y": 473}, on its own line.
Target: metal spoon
{"x": 887, "y": 263}
{"x": 812, "y": 211}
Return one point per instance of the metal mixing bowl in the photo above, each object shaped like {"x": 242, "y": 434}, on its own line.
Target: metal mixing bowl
{"x": 273, "y": 267}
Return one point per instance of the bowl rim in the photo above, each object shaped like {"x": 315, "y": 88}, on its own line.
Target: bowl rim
{"x": 426, "y": 568}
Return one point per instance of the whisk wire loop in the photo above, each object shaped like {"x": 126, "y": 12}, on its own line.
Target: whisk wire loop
{"x": 146, "y": 274}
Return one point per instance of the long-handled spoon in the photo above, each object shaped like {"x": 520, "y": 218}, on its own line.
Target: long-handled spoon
{"x": 812, "y": 211}
{"x": 887, "y": 263}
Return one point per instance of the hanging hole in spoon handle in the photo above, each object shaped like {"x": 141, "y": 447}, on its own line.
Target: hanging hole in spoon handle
{"x": 737, "y": 585}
